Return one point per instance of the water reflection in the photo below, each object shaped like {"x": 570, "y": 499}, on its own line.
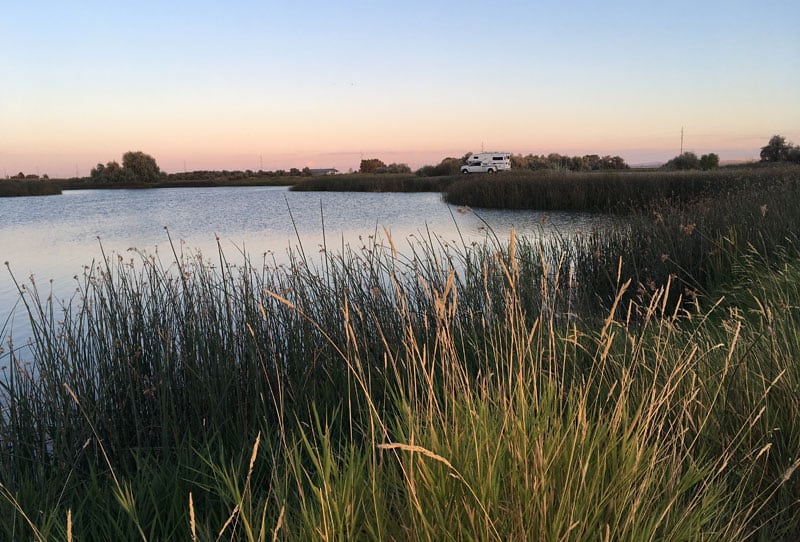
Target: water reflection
{"x": 54, "y": 237}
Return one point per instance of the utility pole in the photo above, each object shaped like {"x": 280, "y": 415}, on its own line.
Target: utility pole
{"x": 681, "y": 140}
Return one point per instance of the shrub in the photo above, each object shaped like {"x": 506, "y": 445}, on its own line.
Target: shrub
{"x": 687, "y": 160}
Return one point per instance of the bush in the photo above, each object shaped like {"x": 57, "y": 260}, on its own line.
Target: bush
{"x": 709, "y": 161}
{"x": 448, "y": 166}
{"x": 687, "y": 160}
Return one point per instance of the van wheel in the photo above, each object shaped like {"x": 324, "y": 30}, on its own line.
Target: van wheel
{"x": 465, "y": 171}
{"x": 490, "y": 170}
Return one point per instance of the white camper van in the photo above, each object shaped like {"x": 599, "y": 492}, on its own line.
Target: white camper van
{"x": 487, "y": 162}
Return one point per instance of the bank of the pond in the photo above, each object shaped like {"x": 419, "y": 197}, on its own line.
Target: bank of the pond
{"x": 21, "y": 188}
{"x": 611, "y": 192}
{"x": 362, "y": 182}
{"x": 179, "y": 182}
{"x": 391, "y": 398}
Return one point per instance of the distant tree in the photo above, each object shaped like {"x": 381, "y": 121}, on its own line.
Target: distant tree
{"x": 97, "y": 172}
{"x": 294, "y": 172}
{"x": 112, "y": 172}
{"x": 142, "y": 167}
{"x": 537, "y": 162}
{"x": 519, "y": 162}
{"x": 709, "y": 161}
{"x": 556, "y": 161}
{"x": 578, "y": 163}
{"x": 687, "y": 160}
{"x": 777, "y": 150}
{"x": 393, "y": 168}
{"x": 590, "y": 162}
{"x": 370, "y": 165}
{"x": 613, "y": 162}
{"x": 448, "y": 166}
{"x": 306, "y": 171}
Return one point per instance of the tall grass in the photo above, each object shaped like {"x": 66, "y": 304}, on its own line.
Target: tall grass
{"x": 363, "y": 182}
{"x": 623, "y": 191}
{"x": 9, "y": 188}
{"x": 435, "y": 392}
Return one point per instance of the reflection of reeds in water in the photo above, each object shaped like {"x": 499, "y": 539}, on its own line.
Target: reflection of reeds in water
{"x": 417, "y": 392}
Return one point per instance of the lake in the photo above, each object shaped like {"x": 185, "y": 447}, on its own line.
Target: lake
{"x": 52, "y": 238}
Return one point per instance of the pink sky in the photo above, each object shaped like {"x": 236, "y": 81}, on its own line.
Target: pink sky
{"x": 317, "y": 84}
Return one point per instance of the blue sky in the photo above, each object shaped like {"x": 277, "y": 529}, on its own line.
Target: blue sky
{"x": 213, "y": 85}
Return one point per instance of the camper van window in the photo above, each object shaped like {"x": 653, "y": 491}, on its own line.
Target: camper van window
{"x": 497, "y": 157}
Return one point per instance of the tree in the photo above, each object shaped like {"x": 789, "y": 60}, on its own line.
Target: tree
{"x": 709, "y": 161}
{"x": 613, "y": 162}
{"x": 776, "y": 150}
{"x": 687, "y": 160}
{"x": 142, "y": 167}
{"x": 370, "y": 165}
{"x": 112, "y": 172}
{"x": 394, "y": 168}
{"x": 448, "y": 166}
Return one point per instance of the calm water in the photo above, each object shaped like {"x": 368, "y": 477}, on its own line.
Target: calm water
{"x": 52, "y": 238}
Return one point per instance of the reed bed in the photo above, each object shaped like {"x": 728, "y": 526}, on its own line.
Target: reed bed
{"x": 417, "y": 392}
{"x": 365, "y": 182}
{"x": 10, "y": 188}
{"x": 609, "y": 192}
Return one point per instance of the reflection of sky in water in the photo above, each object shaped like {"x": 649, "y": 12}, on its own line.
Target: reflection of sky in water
{"x": 54, "y": 237}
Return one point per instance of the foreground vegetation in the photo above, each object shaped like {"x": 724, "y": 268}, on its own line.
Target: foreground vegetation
{"x": 628, "y": 384}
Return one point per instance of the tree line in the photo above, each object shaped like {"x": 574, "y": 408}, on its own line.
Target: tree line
{"x": 552, "y": 161}
{"x": 138, "y": 167}
{"x": 776, "y": 150}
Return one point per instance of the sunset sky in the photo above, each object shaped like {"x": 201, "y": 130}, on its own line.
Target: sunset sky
{"x": 280, "y": 84}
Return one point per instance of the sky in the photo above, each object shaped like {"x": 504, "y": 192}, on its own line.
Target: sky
{"x": 280, "y": 84}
